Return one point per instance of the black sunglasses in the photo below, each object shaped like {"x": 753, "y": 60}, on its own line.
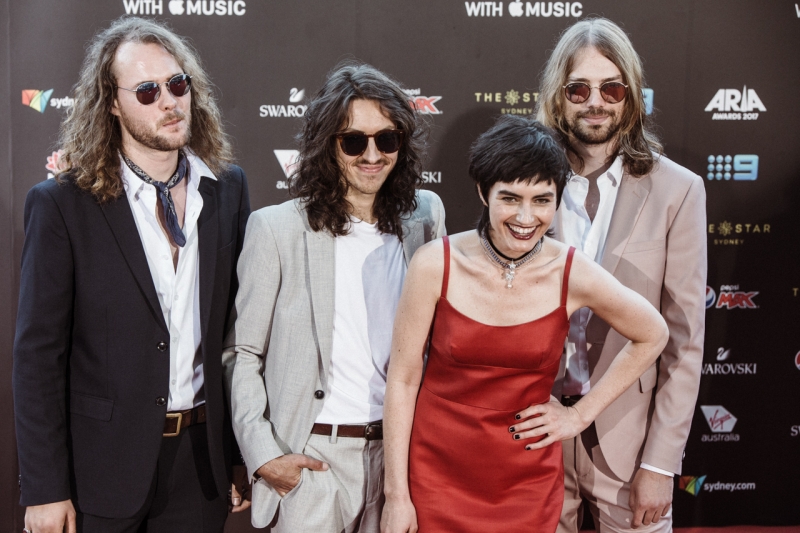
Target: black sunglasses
{"x": 149, "y": 91}
{"x": 611, "y": 91}
{"x": 355, "y": 143}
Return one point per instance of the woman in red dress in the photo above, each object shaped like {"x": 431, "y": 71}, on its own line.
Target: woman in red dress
{"x": 477, "y": 447}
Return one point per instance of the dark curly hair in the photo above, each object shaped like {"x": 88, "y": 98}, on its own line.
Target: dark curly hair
{"x": 318, "y": 179}
{"x": 517, "y": 148}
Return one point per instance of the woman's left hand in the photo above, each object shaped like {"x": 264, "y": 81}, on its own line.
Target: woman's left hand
{"x": 551, "y": 420}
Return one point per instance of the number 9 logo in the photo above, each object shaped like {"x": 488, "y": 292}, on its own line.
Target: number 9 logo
{"x": 745, "y": 166}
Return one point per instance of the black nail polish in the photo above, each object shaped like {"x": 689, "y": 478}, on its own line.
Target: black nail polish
{"x": 512, "y": 429}
{"x": 516, "y": 437}
{"x": 528, "y": 448}
{"x": 517, "y": 417}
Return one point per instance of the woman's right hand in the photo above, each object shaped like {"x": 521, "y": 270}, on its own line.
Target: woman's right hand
{"x": 399, "y": 516}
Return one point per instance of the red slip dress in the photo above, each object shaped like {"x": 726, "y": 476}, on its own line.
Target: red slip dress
{"x": 466, "y": 472}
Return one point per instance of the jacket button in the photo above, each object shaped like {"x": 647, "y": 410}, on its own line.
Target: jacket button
{"x": 319, "y": 394}
{"x": 160, "y": 401}
{"x": 162, "y": 346}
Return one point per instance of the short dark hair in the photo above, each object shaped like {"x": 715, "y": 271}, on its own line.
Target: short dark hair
{"x": 517, "y": 148}
{"x": 318, "y": 180}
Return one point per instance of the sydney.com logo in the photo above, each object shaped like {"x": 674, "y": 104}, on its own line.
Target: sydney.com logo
{"x": 36, "y": 99}
{"x": 693, "y": 484}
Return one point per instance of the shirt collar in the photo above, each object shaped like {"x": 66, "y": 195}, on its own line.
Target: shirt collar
{"x": 134, "y": 185}
{"x": 613, "y": 174}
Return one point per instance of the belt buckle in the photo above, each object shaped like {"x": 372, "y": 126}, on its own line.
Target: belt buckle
{"x": 179, "y": 416}
{"x": 373, "y": 431}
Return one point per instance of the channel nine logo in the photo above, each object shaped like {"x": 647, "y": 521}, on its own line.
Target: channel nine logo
{"x": 740, "y": 167}
{"x": 188, "y": 7}
{"x": 730, "y": 297}
{"x": 743, "y": 102}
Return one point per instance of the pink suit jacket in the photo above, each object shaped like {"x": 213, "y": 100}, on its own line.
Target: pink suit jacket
{"x": 656, "y": 245}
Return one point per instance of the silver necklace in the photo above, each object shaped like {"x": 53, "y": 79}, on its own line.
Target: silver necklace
{"x": 509, "y": 267}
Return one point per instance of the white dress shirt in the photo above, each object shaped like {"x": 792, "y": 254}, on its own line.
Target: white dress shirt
{"x": 589, "y": 237}
{"x": 178, "y": 289}
{"x": 369, "y": 272}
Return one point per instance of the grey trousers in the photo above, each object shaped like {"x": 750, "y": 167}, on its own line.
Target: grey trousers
{"x": 346, "y": 498}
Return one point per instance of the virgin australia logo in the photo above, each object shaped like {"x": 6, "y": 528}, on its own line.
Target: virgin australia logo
{"x": 721, "y": 422}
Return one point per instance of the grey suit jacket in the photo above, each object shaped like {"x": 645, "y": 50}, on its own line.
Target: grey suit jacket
{"x": 278, "y": 353}
{"x": 656, "y": 245}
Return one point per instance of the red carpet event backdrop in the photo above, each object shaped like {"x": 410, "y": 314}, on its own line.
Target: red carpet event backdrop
{"x": 722, "y": 85}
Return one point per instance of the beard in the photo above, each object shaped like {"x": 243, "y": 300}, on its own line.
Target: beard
{"x": 141, "y": 132}
{"x": 600, "y": 134}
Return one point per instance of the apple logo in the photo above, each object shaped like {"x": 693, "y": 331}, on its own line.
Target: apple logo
{"x": 515, "y": 8}
{"x": 296, "y": 96}
{"x": 176, "y": 7}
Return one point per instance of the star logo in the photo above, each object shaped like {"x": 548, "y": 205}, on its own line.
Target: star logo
{"x": 512, "y": 97}
{"x": 725, "y": 228}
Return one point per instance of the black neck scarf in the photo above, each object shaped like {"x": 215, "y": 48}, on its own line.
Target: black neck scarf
{"x": 170, "y": 216}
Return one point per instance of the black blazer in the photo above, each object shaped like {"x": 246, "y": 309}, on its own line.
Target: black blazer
{"x": 91, "y": 357}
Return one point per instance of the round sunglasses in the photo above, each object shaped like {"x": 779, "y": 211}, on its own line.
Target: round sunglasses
{"x": 355, "y": 143}
{"x": 149, "y": 91}
{"x": 612, "y": 91}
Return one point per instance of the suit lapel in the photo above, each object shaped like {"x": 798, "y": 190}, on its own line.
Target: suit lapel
{"x": 120, "y": 218}
{"x": 207, "y": 234}
{"x": 413, "y": 237}
{"x": 630, "y": 200}
{"x": 557, "y": 225}
{"x": 321, "y": 277}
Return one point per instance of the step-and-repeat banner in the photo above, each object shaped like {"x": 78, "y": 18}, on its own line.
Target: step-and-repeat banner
{"x": 723, "y": 84}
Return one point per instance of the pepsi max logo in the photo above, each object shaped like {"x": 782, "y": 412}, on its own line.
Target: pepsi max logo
{"x": 711, "y": 297}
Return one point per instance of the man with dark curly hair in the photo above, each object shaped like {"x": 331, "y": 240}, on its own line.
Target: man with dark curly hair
{"x": 320, "y": 277}
{"x": 128, "y": 278}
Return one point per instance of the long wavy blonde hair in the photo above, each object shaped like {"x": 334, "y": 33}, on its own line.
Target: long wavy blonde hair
{"x": 90, "y": 135}
{"x": 636, "y": 139}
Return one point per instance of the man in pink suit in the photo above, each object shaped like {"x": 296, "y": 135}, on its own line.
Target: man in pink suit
{"x": 642, "y": 217}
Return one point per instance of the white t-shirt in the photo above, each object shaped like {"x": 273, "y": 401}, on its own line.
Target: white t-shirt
{"x": 369, "y": 270}
{"x": 589, "y": 237}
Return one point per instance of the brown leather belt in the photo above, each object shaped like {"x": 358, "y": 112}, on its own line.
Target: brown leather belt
{"x": 569, "y": 401}
{"x": 372, "y": 431}
{"x": 177, "y": 420}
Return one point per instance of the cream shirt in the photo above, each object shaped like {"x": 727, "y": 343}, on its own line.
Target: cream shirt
{"x": 178, "y": 289}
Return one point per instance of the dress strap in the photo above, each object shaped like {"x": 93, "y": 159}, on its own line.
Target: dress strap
{"x": 565, "y": 282}
{"x": 446, "y": 276}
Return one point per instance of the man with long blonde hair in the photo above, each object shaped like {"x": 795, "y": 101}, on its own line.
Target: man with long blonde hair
{"x": 128, "y": 277}
{"x": 642, "y": 217}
